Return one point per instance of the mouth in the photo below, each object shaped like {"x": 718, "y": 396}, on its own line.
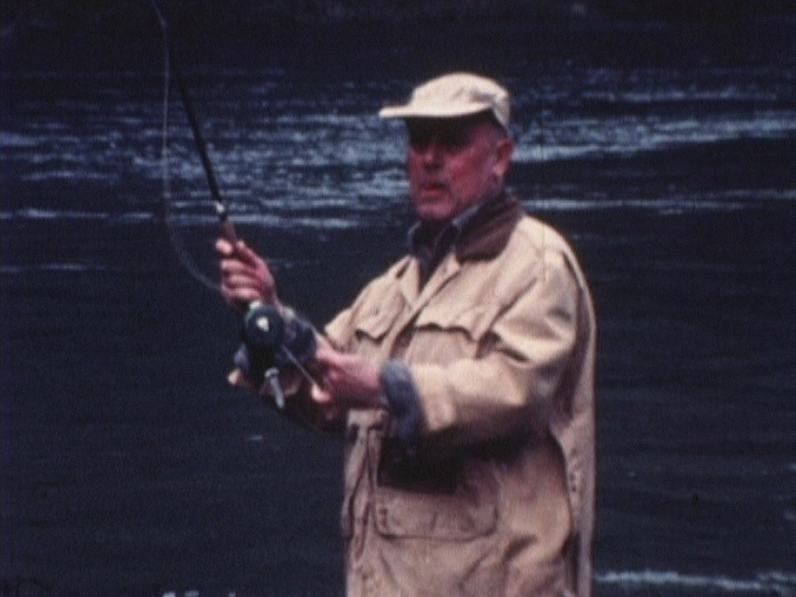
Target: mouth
{"x": 433, "y": 187}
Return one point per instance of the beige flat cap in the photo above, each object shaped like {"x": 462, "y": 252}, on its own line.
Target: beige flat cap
{"x": 452, "y": 95}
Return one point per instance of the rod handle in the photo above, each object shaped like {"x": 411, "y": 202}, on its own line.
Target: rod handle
{"x": 228, "y": 230}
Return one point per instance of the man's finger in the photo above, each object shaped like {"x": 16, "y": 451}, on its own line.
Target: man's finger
{"x": 246, "y": 255}
{"x": 325, "y": 355}
{"x": 320, "y": 396}
{"x": 224, "y": 247}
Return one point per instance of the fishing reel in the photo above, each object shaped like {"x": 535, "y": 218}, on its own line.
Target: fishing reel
{"x": 272, "y": 341}
{"x": 263, "y": 332}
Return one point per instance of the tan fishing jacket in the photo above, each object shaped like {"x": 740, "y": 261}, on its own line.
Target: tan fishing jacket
{"x": 498, "y": 496}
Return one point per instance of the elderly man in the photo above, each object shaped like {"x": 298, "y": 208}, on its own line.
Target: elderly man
{"x": 461, "y": 379}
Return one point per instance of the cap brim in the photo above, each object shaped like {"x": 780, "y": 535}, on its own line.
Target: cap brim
{"x": 432, "y": 111}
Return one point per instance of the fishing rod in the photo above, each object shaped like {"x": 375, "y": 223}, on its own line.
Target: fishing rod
{"x": 227, "y": 227}
{"x": 264, "y": 331}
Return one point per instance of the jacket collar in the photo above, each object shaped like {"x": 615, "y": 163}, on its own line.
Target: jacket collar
{"x": 487, "y": 233}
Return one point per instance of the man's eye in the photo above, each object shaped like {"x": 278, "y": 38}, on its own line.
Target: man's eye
{"x": 420, "y": 140}
{"x": 451, "y": 140}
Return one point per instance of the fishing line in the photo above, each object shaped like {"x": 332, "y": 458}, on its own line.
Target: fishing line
{"x": 170, "y": 67}
{"x": 177, "y": 237}
{"x": 301, "y": 369}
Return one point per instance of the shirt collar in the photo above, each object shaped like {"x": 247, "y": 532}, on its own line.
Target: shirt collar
{"x": 421, "y": 240}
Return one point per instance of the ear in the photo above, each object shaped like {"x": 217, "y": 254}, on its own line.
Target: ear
{"x": 503, "y": 152}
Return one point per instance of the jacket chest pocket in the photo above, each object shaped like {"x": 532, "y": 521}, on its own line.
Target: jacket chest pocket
{"x": 443, "y": 334}
{"x": 372, "y": 329}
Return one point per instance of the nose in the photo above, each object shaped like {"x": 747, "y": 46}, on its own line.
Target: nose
{"x": 431, "y": 152}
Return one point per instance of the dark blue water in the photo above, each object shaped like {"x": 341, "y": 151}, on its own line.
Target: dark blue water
{"x": 129, "y": 467}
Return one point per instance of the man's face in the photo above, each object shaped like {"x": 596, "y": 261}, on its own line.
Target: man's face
{"x": 453, "y": 163}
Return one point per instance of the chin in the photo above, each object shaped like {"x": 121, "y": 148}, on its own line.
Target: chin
{"x": 430, "y": 216}
{"x": 431, "y": 212}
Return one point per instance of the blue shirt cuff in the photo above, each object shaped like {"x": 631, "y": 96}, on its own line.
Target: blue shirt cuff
{"x": 402, "y": 400}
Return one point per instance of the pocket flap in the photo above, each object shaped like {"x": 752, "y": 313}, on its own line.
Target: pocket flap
{"x": 475, "y": 321}
{"x": 379, "y": 321}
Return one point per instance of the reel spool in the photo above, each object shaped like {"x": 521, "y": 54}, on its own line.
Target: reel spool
{"x": 263, "y": 330}
{"x": 263, "y": 333}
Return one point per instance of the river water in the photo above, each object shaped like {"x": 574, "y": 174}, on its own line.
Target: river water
{"x": 665, "y": 154}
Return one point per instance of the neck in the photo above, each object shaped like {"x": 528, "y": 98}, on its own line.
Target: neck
{"x": 432, "y": 228}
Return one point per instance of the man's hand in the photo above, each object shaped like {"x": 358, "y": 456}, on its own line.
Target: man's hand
{"x": 345, "y": 380}
{"x": 245, "y": 277}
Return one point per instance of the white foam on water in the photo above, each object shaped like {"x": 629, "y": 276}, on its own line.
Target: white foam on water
{"x": 80, "y": 268}
{"x": 782, "y": 584}
{"x": 40, "y": 214}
